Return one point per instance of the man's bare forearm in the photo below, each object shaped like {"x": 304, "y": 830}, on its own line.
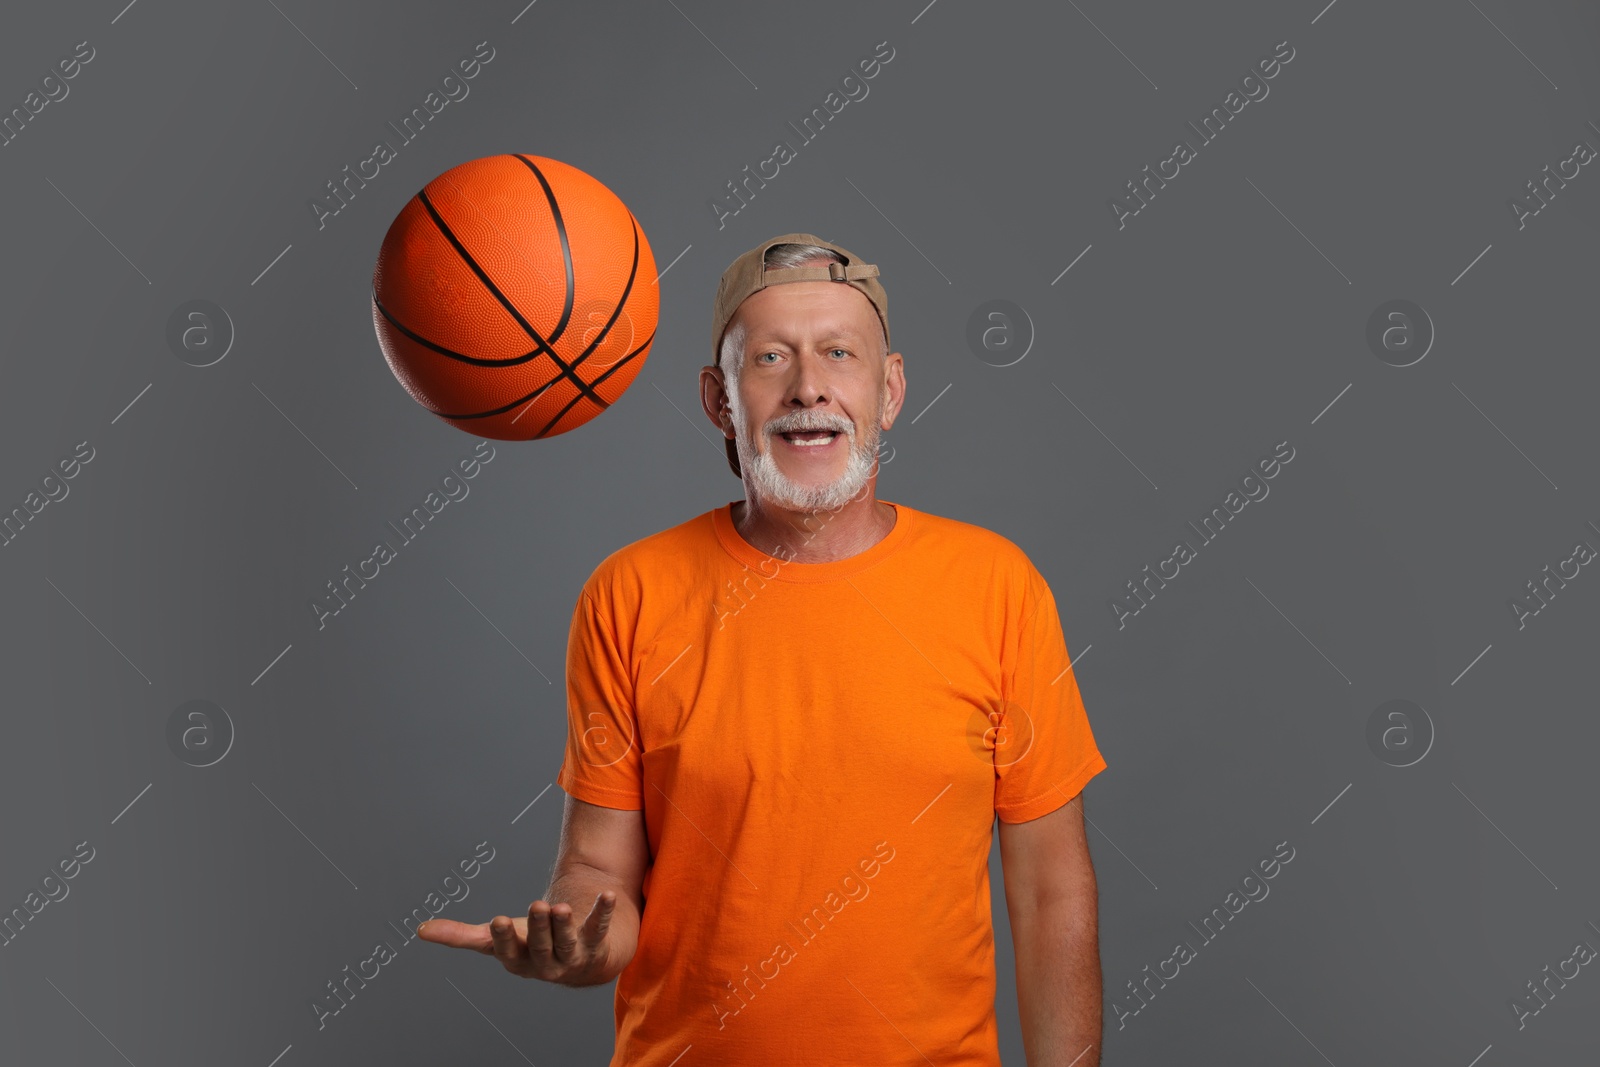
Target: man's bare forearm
{"x": 578, "y": 886}
{"x": 1058, "y": 983}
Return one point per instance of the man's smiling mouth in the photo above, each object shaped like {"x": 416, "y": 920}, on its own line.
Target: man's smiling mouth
{"x": 810, "y": 438}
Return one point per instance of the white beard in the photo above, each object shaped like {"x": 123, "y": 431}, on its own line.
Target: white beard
{"x": 777, "y": 489}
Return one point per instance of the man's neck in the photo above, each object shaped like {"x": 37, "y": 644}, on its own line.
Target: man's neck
{"x": 816, "y": 536}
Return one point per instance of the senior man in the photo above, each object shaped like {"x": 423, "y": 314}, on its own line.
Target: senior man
{"x": 793, "y": 721}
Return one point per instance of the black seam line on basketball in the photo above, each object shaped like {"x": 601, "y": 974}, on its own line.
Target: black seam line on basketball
{"x": 509, "y": 361}
{"x": 443, "y": 351}
{"x": 566, "y": 248}
{"x": 544, "y": 346}
{"x": 619, "y": 363}
{"x": 566, "y": 251}
{"x": 466, "y": 257}
{"x": 633, "y": 273}
{"x": 614, "y": 368}
{"x": 514, "y": 360}
{"x": 523, "y": 399}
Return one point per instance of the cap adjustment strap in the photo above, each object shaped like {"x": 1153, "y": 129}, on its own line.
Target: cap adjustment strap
{"x": 834, "y": 271}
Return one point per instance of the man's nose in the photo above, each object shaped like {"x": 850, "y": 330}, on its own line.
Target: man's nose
{"x": 810, "y": 383}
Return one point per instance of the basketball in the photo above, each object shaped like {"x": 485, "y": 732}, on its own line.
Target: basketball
{"x": 515, "y": 297}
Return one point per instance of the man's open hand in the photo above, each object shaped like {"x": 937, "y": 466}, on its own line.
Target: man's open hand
{"x": 547, "y": 945}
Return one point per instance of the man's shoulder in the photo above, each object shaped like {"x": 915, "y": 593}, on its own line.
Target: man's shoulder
{"x": 965, "y": 543}
{"x": 654, "y": 558}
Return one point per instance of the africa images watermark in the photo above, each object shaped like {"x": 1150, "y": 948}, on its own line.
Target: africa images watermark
{"x": 1583, "y": 954}
{"x": 1211, "y": 127}
{"x": 854, "y": 89}
{"x": 455, "y": 890}
{"x": 341, "y": 191}
{"x": 341, "y": 592}
{"x": 733, "y": 596}
{"x": 52, "y": 90}
{"x": 1255, "y": 490}
{"x": 1539, "y": 590}
{"x": 55, "y": 491}
{"x": 52, "y": 889}
{"x": 852, "y": 888}
{"x": 1540, "y": 191}
{"x": 1183, "y": 953}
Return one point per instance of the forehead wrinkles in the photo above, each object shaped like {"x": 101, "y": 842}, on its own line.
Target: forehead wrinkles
{"x": 776, "y": 335}
{"x": 808, "y": 310}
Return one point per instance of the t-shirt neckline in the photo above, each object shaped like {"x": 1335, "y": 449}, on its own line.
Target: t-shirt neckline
{"x": 774, "y": 567}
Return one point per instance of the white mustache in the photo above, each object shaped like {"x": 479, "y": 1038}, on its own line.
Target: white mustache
{"x": 840, "y": 426}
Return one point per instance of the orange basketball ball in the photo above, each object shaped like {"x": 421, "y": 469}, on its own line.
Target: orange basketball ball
{"x": 515, "y": 297}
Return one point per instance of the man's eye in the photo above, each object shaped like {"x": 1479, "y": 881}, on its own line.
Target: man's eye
{"x": 845, "y": 351}
{"x": 764, "y": 355}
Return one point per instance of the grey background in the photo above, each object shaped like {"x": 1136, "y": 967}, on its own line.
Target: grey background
{"x": 1226, "y": 317}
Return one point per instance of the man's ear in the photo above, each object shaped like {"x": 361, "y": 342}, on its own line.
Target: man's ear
{"x": 895, "y": 383}
{"x": 711, "y": 379}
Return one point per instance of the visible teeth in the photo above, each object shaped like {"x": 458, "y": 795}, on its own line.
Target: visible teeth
{"x": 812, "y": 443}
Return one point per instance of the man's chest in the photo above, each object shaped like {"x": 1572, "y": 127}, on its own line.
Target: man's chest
{"x": 816, "y": 699}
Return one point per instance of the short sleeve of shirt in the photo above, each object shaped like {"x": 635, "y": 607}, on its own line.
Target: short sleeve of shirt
{"x": 601, "y": 763}
{"x": 1045, "y": 753}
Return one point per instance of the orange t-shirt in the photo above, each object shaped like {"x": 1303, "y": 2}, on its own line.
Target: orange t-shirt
{"x": 820, "y": 751}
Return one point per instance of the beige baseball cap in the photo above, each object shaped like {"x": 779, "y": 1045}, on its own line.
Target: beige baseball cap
{"x": 749, "y": 274}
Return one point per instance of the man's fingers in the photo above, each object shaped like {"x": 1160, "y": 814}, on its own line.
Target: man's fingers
{"x": 539, "y": 930}
{"x": 509, "y": 949}
{"x": 563, "y": 933}
{"x": 457, "y": 935}
{"x": 599, "y": 920}
{"x": 549, "y": 942}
